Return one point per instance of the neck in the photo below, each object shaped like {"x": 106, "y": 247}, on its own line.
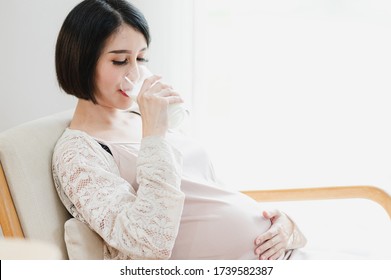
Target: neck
{"x": 88, "y": 115}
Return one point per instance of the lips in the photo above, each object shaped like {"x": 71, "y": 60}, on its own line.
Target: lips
{"x": 123, "y": 93}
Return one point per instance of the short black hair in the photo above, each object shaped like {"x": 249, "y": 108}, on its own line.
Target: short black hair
{"x": 82, "y": 38}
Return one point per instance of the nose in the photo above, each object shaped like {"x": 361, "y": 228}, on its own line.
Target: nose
{"x": 134, "y": 73}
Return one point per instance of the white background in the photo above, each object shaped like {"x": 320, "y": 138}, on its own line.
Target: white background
{"x": 304, "y": 270}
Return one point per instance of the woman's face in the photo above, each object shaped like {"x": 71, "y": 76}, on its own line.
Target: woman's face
{"x": 124, "y": 52}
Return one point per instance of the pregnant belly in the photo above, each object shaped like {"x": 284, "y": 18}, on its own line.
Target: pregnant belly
{"x": 218, "y": 224}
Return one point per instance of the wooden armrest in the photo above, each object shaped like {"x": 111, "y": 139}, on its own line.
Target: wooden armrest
{"x": 368, "y": 192}
{"x": 9, "y": 220}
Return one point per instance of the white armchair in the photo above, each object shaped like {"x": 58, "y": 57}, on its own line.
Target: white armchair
{"x": 30, "y": 207}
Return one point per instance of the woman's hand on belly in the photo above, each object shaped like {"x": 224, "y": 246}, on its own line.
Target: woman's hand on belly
{"x": 275, "y": 241}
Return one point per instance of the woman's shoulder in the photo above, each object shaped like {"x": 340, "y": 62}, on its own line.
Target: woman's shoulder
{"x": 75, "y": 138}
{"x": 78, "y": 145}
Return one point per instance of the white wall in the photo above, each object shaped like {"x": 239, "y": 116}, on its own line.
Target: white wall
{"x": 28, "y": 86}
{"x": 171, "y": 50}
{"x": 304, "y": 84}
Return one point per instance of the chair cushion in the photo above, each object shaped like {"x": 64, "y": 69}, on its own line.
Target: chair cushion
{"x": 82, "y": 243}
{"x": 26, "y": 156}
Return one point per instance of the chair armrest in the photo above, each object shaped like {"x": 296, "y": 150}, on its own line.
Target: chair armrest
{"x": 9, "y": 220}
{"x": 367, "y": 192}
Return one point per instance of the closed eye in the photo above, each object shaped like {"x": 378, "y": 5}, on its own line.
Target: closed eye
{"x": 142, "y": 59}
{"x": 123, "y": 62}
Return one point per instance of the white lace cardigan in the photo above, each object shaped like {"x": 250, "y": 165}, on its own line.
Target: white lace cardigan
{"x": 141, "y": 225}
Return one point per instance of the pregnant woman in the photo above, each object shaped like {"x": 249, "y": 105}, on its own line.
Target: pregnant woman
{"x": 148, "y": 191}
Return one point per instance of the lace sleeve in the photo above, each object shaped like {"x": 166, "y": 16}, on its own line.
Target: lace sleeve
{"x": 141, "y": 225}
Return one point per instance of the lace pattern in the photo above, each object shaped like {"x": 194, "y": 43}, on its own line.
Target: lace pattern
{"x": 141, "y": 225}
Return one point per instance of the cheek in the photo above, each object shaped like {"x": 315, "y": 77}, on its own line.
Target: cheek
{"x": 107, "y": 80}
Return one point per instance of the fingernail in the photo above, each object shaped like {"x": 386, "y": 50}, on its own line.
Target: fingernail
{"x": 257, "y": 241}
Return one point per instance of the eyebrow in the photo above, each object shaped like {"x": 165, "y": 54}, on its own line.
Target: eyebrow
{"x": 125, "y": 51}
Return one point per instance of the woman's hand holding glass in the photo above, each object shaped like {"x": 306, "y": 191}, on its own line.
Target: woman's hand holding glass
{"x": 153, "y": 101}
{"x": 273, "y": 243}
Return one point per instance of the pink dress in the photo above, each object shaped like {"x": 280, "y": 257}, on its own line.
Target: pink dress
{"x": 216, "y": 223}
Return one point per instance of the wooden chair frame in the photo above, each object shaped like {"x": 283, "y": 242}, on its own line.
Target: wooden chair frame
{"x": 11, "y": 227}
{"x": 9, "y": 220}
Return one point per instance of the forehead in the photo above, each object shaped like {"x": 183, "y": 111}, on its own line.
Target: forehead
{"x": 125, "y": 38}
